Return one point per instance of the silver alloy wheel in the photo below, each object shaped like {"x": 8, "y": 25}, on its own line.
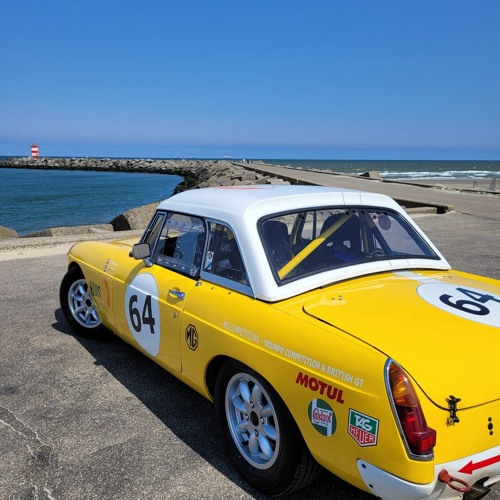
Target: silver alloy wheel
{"x": 252, "y": 421}
{"x": 82, "y": 306}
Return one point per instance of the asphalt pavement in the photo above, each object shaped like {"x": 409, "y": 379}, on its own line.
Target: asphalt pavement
{"x": 82, "y": 419}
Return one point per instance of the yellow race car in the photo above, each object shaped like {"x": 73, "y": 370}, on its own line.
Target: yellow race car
{"x": 325, "y": 326}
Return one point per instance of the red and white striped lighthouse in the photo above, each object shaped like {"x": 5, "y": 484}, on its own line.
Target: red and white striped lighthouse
{"x": 34, "y": 150}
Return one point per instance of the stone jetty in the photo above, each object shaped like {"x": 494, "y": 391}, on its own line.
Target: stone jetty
{"x": 196, "y": 174}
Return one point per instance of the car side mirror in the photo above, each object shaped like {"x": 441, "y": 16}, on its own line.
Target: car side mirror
{"x": 142, "y": 251}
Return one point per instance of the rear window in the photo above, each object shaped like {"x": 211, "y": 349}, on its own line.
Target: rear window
{"x": 308, "y": 242}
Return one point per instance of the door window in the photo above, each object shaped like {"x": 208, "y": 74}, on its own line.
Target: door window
{"x": 180, "y": 245}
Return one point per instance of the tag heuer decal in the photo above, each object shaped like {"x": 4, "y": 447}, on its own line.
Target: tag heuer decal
{"x": 362, "y": 428}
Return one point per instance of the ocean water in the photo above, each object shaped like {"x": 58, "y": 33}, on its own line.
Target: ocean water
{"x": 405, "y": 170}
{"x": 31, "y": 200}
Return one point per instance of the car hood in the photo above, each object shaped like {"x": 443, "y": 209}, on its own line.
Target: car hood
{"x": 442, "y": 328}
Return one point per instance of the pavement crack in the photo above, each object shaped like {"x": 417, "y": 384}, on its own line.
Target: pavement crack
{"x": 481, "y": 217}
{"x": 40, "y": 454}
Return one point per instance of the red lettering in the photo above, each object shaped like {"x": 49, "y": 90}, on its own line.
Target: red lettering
{"x": 322, "y": 416}
{"x": 332, "y": 392}
{"x": 315, "y": 385}
{"x": 323, "y": 386}
{"x": 361, "y": 436}
{"x": 339, "y": 397}
{"x": 302, "y": 379}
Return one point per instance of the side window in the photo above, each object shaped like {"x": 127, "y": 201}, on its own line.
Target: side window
{"x": 181, "y": 243}
{"x": 223, "y": 256}
{"x": 153, "y": 230}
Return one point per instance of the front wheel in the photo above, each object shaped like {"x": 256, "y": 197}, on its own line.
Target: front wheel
{"x": 78, "y": 305}
{"x": 261, "y": 435}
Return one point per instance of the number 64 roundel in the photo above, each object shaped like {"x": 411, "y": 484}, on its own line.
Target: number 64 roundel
{"x": 469, "y": 303}
{"x": 142, "y": 312}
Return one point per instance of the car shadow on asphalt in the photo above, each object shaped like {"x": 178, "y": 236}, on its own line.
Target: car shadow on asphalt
{"x": 184, "y": 412}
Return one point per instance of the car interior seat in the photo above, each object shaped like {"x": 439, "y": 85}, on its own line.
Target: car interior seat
{"x": 277, "y": 242}
{"x": 346, "y": 240}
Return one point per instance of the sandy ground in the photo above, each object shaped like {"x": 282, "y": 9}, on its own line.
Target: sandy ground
{"x": 27, "y": 253}
{"x": 25, "y": 248}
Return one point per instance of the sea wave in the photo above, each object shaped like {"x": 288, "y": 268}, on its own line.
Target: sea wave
{"x": 404, "y": 169}
{"x": 446, "y": 175}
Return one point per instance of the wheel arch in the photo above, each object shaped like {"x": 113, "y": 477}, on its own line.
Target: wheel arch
{"x": 74, "y": 265}
{"x": 212, "y": 372}
{"x": 78, "y": 305}
{"x": 301, "y": 461}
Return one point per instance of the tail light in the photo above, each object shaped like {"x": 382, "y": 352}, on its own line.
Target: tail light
{"x": 420, "y": 438}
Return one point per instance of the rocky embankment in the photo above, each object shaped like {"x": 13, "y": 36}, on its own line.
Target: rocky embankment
{"x": 196, "y": 174}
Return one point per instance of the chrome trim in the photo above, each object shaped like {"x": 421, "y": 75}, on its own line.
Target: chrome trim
{"x": 177, "y": 294}
{"x": 227, "y": 283}
{"x": 420, "y": 458}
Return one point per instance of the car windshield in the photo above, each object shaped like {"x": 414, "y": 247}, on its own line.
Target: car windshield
{"x": 303, "y": 243}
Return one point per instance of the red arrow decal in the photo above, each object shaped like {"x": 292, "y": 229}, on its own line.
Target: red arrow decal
{"x": 471, "y": 466}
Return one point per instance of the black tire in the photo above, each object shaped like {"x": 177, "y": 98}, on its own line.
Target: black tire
{"x": 260, "y": 434}
{"x": 78, "y": 305}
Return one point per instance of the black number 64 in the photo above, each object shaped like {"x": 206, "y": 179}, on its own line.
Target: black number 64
{"x": 147, "y": 317}
{"x": 475, "y": 306}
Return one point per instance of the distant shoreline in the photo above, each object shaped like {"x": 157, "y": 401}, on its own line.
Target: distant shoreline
{"x": 408, "y": 170}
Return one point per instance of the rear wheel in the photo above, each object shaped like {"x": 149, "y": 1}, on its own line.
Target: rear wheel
{"x": 78, "y": 305}
{"x": 261, "y": 435}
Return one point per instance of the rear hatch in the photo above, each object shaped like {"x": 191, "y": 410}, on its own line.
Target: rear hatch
{"x": 442, "y": 328}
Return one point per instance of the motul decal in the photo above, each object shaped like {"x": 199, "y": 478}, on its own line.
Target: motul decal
{"x": 323, "y": 388}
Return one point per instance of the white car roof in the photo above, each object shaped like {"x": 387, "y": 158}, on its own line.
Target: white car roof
{"x": 241, "y": 207}
{"x": 254, "y": 201}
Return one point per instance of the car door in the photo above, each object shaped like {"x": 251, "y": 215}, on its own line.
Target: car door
{"x": 220, "y": 303}
{"x": 156, "y": 295}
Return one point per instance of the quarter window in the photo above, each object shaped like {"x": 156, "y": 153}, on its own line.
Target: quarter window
{"x": 223, "y": 256}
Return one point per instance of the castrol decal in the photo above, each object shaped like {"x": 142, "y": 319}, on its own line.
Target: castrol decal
{"x": 322, "y": 417}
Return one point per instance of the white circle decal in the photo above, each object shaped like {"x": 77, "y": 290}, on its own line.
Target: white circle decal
{"x": 469, "y": 303}
{"x": 143, "y": 313}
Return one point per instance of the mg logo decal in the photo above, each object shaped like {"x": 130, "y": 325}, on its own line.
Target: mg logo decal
{"x": 362, "y": 428}
{"x": 192, "y": 337}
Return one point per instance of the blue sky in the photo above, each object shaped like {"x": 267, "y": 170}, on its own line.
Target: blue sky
{"x": 351, "y": 79}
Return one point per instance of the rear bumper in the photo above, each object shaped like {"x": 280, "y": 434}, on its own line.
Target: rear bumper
{"x": 482, "y": 467}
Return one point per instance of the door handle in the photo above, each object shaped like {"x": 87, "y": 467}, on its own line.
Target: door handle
{"x": 176, "y": 293}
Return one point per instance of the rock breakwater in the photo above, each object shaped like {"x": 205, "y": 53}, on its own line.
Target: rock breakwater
{"x": 196, "y": 174}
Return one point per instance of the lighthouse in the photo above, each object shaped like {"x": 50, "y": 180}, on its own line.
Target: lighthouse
{"x": 34, "y": 151}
